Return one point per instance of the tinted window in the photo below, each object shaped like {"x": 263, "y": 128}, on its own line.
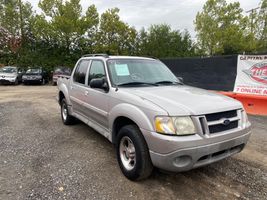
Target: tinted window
{"x": 80, "y": 72}
{"x": 8, "y": 70}
{"x": 62, "y": 70}
{"x": 33, "y": 71}
{"x": 97, "y": 70}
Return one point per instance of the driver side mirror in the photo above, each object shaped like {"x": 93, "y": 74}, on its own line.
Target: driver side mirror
{"x": 99, "y": 83}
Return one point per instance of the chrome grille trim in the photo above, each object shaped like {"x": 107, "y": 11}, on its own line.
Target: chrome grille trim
{"x": 204, "y": 125}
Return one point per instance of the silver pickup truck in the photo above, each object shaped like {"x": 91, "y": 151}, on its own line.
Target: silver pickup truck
{"x": 153, "y": 119}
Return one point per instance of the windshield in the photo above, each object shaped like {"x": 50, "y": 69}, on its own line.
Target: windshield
{"x": 33, "y": 71}
{"x": 8, "y": 70}
{"x": 139, "y": 71}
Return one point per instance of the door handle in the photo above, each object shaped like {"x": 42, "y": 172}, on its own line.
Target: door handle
{"x": 86, "y": 93}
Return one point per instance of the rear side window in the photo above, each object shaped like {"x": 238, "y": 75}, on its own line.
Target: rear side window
{"x": 80, "y": 71}
{"x": 97, "y": 70}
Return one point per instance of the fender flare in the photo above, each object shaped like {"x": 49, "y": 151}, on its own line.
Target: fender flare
{"x": 133, "y": 113}
{"x": 63, "y": 88}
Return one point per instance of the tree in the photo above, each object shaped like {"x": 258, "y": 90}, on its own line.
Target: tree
{"x": 221, "y": 28}
{"x": 66, "y": 25}
{"x": 115, "y": 36}
{"x": 15, "y": 19}
{"x": 261, "y": 32}
{"x": 161, "y": 41}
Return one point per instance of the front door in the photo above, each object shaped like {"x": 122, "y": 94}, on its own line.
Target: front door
{"x": 96, "y": 100}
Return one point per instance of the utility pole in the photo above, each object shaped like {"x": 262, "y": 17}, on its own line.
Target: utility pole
{"x": 252, "y": 11}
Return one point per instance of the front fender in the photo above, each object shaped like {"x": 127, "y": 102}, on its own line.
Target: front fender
{"x": 133, "y": 113}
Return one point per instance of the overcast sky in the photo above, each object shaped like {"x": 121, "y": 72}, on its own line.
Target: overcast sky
{"x": 180, "y": 14}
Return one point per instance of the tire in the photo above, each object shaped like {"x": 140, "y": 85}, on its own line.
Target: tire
{"x": 16, "y": 82}
{"x": 133, "y": 158}
{"x": 66, "y": 118}
{"x": 43, "y": 81}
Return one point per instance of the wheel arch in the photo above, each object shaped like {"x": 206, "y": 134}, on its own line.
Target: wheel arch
{"x": 63, "y": 93}
{"x": 126, "y": 114}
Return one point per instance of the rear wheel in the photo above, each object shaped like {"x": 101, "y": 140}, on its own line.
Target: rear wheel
{"x": 132, "y": 153}
{"x": 66, "y": 118}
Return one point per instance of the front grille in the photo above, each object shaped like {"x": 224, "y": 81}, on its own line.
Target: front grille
{"x": 219, "y": 122}
{"x": 220, "y": 115}
{"x": 220, "y": 127}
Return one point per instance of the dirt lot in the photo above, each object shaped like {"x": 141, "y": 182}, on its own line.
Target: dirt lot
{"x": 40, "y": 158}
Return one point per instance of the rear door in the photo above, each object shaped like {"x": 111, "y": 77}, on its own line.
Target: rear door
{"x": 77, "y": 86}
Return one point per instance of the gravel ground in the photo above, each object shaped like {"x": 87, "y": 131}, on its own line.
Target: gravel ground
{"x": 40, "y": 158}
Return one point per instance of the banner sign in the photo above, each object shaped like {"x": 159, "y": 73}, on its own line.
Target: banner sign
{"x": 251, "y": 74}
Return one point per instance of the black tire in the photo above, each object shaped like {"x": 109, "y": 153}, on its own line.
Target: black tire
{"x": 16, "y": 82}
{"x": 142, "y": 168}
{"x": 43, "y": 82}
{"x": 66, "y": 118}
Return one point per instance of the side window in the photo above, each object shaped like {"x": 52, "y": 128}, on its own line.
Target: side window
{"x": 80, "y": 72}
{"x": 97, "y": 70}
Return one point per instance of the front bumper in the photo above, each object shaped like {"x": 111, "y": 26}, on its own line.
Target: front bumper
{"x": 7, "y": 80}
{"x": 31, "y": 80}
{"x": 192, "y": 154}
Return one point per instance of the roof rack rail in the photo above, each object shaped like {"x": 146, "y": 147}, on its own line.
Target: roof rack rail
{"x": 95, "y": 55}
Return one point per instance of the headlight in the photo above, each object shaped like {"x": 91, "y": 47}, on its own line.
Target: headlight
{"x": 175, "y": 125}
{"x": 24, "y": 77}
{"x": 38, "y": 77}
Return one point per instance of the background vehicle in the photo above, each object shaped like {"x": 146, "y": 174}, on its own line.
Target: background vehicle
{"x": 35, "y": 75}
{"x": 151, "y": 117}
{"x": 60, "y": 71}
{"x": 11, "y": 75}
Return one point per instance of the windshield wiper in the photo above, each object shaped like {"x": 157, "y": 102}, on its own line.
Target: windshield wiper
{"x": 169, "y": 82}
{"x": 137, "y": 83}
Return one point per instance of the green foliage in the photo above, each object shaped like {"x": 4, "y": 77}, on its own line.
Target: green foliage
{"x": 220, "y": 27}
{"x": 162, "y": 42}
{"x": 114, "y": 36}
{"x": 223, "y": 29}
{"x": 261, "y": 28}
{"x": 66, "y": 25}
{"x": 62, "y": 32}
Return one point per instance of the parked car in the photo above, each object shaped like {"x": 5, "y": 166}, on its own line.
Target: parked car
{"x": 152, "y": 118}
{"x": 11, "y": 75}
{"x": 35, "y": 75}
{"x": 59, "y": 71}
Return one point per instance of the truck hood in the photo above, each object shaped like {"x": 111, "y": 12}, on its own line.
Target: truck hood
{"x": 185, "y": 100}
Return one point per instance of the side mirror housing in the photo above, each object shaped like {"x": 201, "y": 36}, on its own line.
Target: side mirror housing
{"x": 99, "y": 83}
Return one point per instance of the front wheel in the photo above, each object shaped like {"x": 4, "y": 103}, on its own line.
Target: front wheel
{"x": 66, "y": 118}
{"x": 132, "y": 153}
{"x": 16, "y": 81}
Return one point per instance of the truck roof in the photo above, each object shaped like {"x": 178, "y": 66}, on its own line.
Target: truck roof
{"x": 105, "y": 56}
